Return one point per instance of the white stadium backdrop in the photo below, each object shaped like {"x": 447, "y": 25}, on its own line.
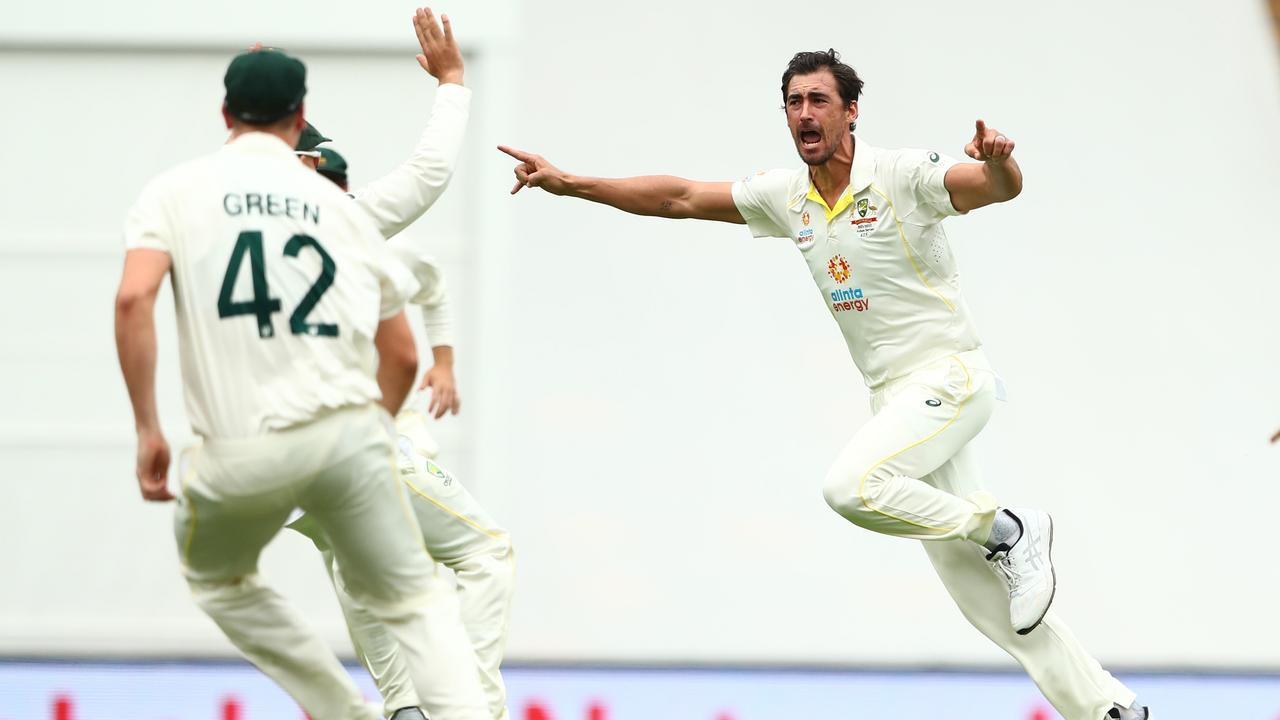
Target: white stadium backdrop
{"x": 650, "y": 406}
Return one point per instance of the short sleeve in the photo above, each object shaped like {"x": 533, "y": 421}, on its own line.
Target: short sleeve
{"x": 762, "y": 200}
{"x": 924, "y": 173}
{"x": 147, "y": 225}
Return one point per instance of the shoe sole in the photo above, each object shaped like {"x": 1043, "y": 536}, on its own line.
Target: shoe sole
{"x": 1053, "y": 575}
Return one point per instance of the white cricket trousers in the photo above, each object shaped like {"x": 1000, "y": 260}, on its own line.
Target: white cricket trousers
{"x": 340, "y": 468}
{"x": 909, "y": 472}
{"x": 462, "y": 536}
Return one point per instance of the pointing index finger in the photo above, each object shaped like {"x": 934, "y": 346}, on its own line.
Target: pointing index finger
{"x": 520, "y": 155}
{"x": 980, "y": 127}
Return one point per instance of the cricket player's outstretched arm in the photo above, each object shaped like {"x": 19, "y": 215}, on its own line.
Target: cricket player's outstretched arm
{"x": 397, "y": 361}
{"x": 997, "y": 178}
{"x": 656, "y": 195}
{"x": 144, "y": 271}
{"x": 399, "y": 198}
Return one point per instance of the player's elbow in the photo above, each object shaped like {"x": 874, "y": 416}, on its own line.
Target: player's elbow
{"x": 132, "y": 301}
{"x": 677, "y": 202}
{"x": 401, "y": 358}
{"x": 1014, "y": 189}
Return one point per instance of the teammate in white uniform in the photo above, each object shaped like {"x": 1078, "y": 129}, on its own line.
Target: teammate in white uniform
{"x": 290, "y": 317}
{"x": 867, "y": 223}
{"x": 456, "y": 530}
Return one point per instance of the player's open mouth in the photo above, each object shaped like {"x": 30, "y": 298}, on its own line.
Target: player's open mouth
{"x": 810, "y": 137}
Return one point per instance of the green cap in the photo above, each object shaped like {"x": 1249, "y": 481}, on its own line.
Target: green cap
{"x": 332, "y": 165}
{"x": 264, "y": 86}
{"x": 309, "y": 139}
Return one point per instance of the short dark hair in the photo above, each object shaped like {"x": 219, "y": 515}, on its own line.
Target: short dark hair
{"x": 807, "y": 62}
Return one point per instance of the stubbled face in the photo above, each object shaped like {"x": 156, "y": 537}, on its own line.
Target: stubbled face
{"x": 817, "y": 117}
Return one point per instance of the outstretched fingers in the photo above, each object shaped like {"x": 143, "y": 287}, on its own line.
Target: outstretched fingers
{"x": 448, "y": 29}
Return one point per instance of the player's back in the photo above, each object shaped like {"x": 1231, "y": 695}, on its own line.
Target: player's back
{"x": 279, "y": 282}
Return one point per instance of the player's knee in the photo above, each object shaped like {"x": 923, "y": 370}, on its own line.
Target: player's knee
{"x": 850, "y": 490}
{"x": 840, "y": 489}
{"x": 495, "y": 564}
{"x": 214, "y": 596}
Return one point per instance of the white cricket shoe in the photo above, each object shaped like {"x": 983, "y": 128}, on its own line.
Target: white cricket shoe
{"x": 1027, "y": 568}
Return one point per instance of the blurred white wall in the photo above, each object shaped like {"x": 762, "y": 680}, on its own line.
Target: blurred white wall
{"x": 652, "y": 404}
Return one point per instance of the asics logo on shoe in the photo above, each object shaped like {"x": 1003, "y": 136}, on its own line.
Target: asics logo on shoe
{"x": 1033, "y": 560}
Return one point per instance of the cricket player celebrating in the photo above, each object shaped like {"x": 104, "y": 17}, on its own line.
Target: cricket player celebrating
{"x": 867, "y": 221}
{"x": 290, "y": 318}
{"x": 456, "y": 530}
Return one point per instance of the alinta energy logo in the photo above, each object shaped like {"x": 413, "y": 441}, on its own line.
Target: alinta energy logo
{"x": 844, "y": 299}
{"x": 838, "y": 269}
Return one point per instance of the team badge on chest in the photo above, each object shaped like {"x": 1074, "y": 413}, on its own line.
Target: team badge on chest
{"x": 864, "y": 218}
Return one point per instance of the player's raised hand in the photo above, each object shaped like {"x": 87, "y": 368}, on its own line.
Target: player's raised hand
{"x": 440, "y": 55}
{"x": 988, "y": 144}
{"x": 535, "y": 171}
{"x": 153, "y": 467}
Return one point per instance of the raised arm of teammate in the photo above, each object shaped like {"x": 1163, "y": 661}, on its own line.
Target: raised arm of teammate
{"x": 440, "y": 55}
{"x": 397, "y": 199}
{"x": 144, "y": 271}
{"x": 996, "y": 179}
{"x": 656, "y": 195}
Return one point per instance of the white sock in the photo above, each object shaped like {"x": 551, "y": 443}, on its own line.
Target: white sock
{"x": 1006, "y": 531}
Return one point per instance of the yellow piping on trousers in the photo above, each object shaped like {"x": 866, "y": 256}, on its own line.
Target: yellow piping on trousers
{"x": 468, "y": 521}
{"x": 862, "y": 483}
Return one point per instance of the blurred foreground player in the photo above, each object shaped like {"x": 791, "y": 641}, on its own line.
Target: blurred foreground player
{"x": 458, "y": 532}
{"x": 290, "y": 317}
{"x": 867, "y": 221}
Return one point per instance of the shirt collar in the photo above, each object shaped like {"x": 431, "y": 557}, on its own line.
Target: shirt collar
{"x": 863, "y": 170}
{"x": 260, "y": 143}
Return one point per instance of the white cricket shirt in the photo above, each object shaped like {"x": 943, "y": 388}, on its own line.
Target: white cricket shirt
{"x": 399, "y": 198}
{"x": 880, "y": 257}
{"x": 279, "y": 280}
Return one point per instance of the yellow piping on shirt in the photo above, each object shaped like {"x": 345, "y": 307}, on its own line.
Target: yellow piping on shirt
{"x": 862, "y": 483}
{"x": 911, "y": 254}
